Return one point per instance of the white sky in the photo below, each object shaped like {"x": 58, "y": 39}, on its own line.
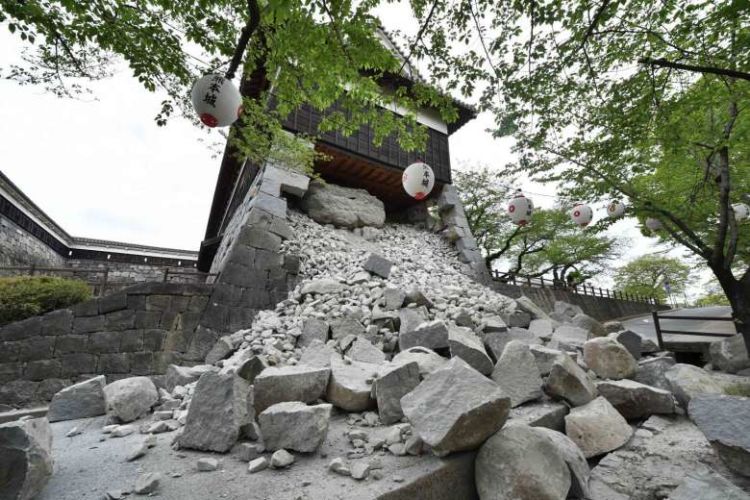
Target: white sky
{"x": 102, "y": 168}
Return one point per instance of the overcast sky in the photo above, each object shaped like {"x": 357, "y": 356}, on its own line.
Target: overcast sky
{"x": 101, "y": 168}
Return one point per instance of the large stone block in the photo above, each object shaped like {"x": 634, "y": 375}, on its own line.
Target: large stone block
{"x": 21, "y": 330}
{"x": 567, "y": 381}
{"x": 77, "y": 363}
{"x": 289, "y": 383}
{"x": 221, "y": 405}
{"x": 688, "y": 381}
{"x": 529, "y": 463}
{"x": 130, "y": 398}
{"x": 724, "y": 421}
{"x": 57, "y": 322}
{"x": 430, "y": 334}
{"x": 517, "y": 375}
{"x": 609, "y": 359}
{"x": 25, "y": 458}
{"x": 35, "y": 348}
{"x": 294, "y": 426}
{"x": 343, "y": 207}
{"x": 730, "y": 354}
{"x": 81, "y": 400}
{"x": 455, "y": 408}
{"x": 394, "y": 382}
{"x": 100, "y": 342}
{"x": 466, "y": 345}
{"x": 597, "y": 427}
{"x": 350, "y": 385}
{"x": 636, "y": 400}
{"x": 42, "y": 369}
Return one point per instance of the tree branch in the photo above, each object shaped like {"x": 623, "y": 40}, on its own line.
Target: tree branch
{"x": 663, "y": 63}
{"x": 594, "y": 22}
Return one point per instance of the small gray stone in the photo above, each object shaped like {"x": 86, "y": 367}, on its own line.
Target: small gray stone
{"x": 549, "y": 414}
{"x": 346, "y": 326}
{"x": 518, "y": 319}
{"x": 147, "y": 483}
{"x": 496, "y": 341}
{"x": 251, "y": 368}
{"x": 589, "y": 324}
{"x": 378, "y": 265}
{"x": 137, "y": 452}
{"x": 360, "y": 470}
{"x": 410, "y": 318}
{"x": 257, "y": 465}
{"x": 393, "y": 298}
{"x": 570, "y": 337}
{"x": 281, "y": 459}
{"x": 541, "y": 328}
{"x": 322, "y": 286}
{"x": 545, "y": 358}
{"x": 207, "y": 464}
{"x": 317, "y": 355}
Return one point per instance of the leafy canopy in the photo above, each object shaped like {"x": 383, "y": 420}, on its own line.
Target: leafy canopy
{"x": 648, "y": 274}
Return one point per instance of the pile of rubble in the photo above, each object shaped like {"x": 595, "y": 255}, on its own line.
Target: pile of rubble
{"x": 388, "y": 345}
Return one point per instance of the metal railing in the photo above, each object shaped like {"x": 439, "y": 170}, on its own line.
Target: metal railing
{"x": 582, "y": 289}
{"x": 100, "y": 280}
{"x": 660, "y": 331}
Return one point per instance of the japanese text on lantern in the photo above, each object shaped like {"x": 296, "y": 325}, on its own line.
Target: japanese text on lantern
{"x": 210, "y": 98}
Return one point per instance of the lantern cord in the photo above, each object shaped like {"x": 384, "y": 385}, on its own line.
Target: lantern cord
{"x": 247, "y": 32}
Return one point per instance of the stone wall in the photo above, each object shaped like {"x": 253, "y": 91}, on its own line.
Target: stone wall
{"x": 253, "y": 272}
{"x": 21, "y": 249}
{"x": 601, "y": 308}
{"x": 457, "y": 229}
{"x": 138, "y": 331}
{"x": 124, "y": 272}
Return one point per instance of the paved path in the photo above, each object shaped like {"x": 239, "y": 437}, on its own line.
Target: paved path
{"x": 644, "y": 325}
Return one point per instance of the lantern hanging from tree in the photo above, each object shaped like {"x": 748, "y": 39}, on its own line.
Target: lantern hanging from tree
{"x": 520, "y": 209}
{"x": 741, "y": 211}
{"x": 581, "y": 214}
{"x": 418, "y": 180}
{"x": 653, "y": 224}
{"x": 216, "y": 100}
{"x": 615, "y": 209}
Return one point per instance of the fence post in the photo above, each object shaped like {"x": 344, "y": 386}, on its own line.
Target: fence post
{"x": 166, "y": 274}
{"x": 608, "y": 293}
{"x": 528, "y": 281}
{"x": 32, "y": 270}
{"x": 601, "y": 294}
{"x": 541, "y": 281}
{"x": 657, "y": 327}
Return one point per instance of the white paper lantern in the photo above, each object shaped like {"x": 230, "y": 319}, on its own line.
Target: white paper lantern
{"x": 741, "y": 212}
{"x": 654, "y": 224}
{"x": 581, "y": 214}
{"x": 520, "y": 209}
{"x": 216, "y": 100}
{"x": 615, "y": 209}
{"x": 418, "y": 180}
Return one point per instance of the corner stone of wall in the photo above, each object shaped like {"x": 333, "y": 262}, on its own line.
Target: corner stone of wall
{"x": 138, "y": 331}
{"x": 253, "y": 273}
{"x": 458, "y": 231}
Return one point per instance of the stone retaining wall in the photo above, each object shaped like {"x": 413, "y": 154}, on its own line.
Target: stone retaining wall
{"x": 601, "y": 308}
{"x": 138, "y": 331}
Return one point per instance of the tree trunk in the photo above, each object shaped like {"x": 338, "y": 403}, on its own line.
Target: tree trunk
{"x": 738, "y": 293}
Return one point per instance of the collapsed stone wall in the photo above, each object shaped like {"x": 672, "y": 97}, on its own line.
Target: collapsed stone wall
{"x": 139, "y": 331}
{"x": 129, "y": 273}
{"x": 600, "y": 308}
{"x": 21, "y": 249}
